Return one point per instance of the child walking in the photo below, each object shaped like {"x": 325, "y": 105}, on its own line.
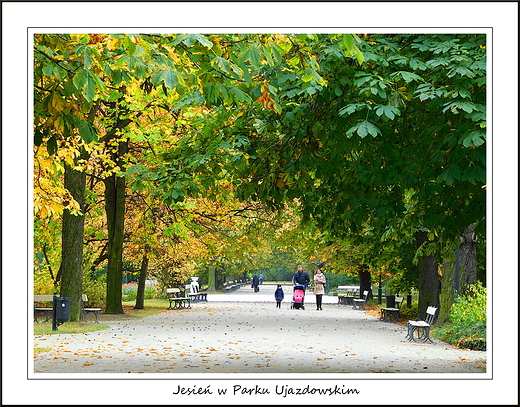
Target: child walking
{"x": 278, "y": 296}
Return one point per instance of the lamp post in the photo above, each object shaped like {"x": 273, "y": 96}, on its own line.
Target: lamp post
{"x": 380, "y": 291}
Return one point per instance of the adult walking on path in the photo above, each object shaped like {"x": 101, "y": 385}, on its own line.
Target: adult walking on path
{"x": 319, "y": 287}
{"x": 256, "y": 282}
{"x": 301, "y": 278}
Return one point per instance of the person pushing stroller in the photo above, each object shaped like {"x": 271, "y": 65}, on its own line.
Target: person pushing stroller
{"x": 301, "y": 278}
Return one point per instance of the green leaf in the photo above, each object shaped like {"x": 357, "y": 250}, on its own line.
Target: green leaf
{"x": 86, "y": 132}
{"x": 363, "y": 129}
{"x": 87, "y": 60}
{"x": 203, "y": 41}
{"x": 80, "y": 79}
{"x": 388, "y": 111}
{"x": 352, "y": 108}
{"x": 128, "y": 45}
{"x": 90, "y": 89}
{"x": 140, "y": 68}
{"x": 52, "y": 145}
{"x": 240, "y": 95}
{"x": 407, "y": 76}
{"x": 451, "y": 174}
{"x": 475, "y": 175}
{"x": 48, "y": 68}
{"x": 170, "y": 79}
{"x": 348, "y": 41}
{"x": 476, "y": 139}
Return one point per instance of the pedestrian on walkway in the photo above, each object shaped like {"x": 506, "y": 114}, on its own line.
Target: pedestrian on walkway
{"x": 302, "y": 278}
{"x": 278, "y": 296}
{"x": 319, "y": 287}
{"x": 256, "y": 281}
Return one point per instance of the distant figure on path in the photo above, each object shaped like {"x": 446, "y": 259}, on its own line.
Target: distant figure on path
{"x": 261, "y": 277}
{"x": 319, "y": 287}
{"x": 278, "y": 296}
{"x": 256, "y": 281}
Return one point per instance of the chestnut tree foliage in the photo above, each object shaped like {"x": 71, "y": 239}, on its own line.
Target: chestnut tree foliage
{"x": 379, "y": 139}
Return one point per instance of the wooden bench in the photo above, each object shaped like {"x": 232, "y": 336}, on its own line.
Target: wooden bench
{"x": 422, "y": 327}
{"x": 245, "y": 283}
{"x": 177, "y": 299}
{"x": 347, "y": 293}
{"x": 388, "y": 313}
{"x": 231, "y": 286}
{"x": 95, "y": 311}
{"x": 360, "y": 303}
{"x": 48, "y": 311}
{"x": 198, "y": 296}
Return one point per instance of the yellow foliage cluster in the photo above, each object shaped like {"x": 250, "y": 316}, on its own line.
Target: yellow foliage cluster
{"x": 49, "y": 195}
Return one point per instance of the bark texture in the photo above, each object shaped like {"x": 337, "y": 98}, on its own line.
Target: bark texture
{"x": 115, "y": 190}
{"x": 468, "y": 259}
{"x": 70, "y": 273}
{"x": 139, "y": 301}
{"x": 428, "y": 279}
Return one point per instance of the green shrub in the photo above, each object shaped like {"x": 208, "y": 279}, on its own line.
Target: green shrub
{"x": 130, "y": 291}
{"x": 467, "y": 326}
{"x": 408, "y": 312}
{"x": 95, "y": 291}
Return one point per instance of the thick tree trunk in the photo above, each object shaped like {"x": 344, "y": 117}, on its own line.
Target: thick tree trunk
{"x": 139, "y": 301}
{"x": 468, "y": 259}
{"x": 211, "y": 277}
{"x": 365, "y": 281}
{"x": 447, "y": 291}
{"x": 115, "y": 211}
{"x": 71, "y": 267}
{"x": 428, "y": 279}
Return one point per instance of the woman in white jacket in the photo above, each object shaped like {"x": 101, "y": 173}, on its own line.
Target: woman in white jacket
{"x": 319, "y": 287}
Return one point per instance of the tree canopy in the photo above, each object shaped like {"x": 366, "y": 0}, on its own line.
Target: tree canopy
{"x": 370, "y": 139}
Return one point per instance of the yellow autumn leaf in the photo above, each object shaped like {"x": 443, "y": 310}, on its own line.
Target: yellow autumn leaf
{"x": 57, "y": 102}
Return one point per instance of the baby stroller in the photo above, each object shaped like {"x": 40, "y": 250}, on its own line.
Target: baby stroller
{"x": 298, "y": 296}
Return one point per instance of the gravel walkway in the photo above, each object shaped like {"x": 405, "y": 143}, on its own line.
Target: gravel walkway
{"x": 231, "y": 334}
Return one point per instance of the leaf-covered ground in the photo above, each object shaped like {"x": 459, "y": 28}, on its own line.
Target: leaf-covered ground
{"x": 250, "y": 337}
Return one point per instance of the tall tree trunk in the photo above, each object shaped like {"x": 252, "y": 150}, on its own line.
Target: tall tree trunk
{"x": 139, "y": 301}
{"x": 211, "y": 277}
{"x": 468, "y": 259}
{"x": 115, "y": 211}
{"x": 447, "y": 291}
{"x": 428, "y": 279}
{"x": 71, "y": 268}
{"x": 365, "y": 280}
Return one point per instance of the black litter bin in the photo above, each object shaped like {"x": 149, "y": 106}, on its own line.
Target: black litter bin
{"x": 390, "y": 301}
{"x": 62, "y": 307}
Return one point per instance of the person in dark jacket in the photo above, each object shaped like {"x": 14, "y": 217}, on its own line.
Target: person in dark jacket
{"x": 301, "y": 277}
{"x": 256, "y": 282}
{"x": 278, "y": 296}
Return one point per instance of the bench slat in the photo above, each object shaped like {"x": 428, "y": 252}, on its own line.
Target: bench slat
{"x": 43, "y": 297}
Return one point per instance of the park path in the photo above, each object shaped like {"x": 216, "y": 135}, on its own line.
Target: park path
{"x": 243, "y": 332}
